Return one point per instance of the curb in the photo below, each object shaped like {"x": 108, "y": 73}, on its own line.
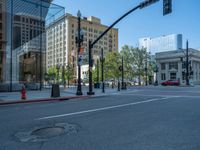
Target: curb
{"x": 43, "y": 100}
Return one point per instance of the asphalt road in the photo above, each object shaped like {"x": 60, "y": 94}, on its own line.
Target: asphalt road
{"x": 143, "y": 118}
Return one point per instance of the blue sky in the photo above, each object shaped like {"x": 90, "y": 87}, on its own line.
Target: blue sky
{"x": 148, "y": 22}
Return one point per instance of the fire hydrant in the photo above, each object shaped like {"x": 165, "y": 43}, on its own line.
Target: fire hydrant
{"x": 23, "y": 93}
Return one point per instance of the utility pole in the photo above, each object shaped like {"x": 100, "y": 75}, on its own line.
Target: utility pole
{"x": 78, "y": 41}
{"x": 187, "y": 64}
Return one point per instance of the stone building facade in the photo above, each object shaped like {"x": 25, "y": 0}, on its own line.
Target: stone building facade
{"x": 61, "y": 41}
{"x": 172, "y": 66}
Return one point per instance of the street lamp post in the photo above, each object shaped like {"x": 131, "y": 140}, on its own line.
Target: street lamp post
{"x": 97, "y": 73}
{"x": 156, "y": 82}
{"x": 102, "y": 71}
{"x": 146, "y": 70}
{"x": 78, "y": 41}
{"x": 63, "y": 75}
{"x": 187, "y": 64}
{"x": 123, "y": 84}
{"x": 68, "y": 72}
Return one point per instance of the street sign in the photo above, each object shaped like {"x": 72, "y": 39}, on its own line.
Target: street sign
{"x": 81, "y": 51}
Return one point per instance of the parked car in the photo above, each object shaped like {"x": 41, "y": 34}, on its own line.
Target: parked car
{"x": 170, "y": 82}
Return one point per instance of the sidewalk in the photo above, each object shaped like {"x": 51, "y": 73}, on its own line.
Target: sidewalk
{"x": 45, "y": 95}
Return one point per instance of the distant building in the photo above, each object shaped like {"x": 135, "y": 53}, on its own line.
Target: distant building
{"x": 61, "y": 43}
{"x": 172, "y": 66}
{"x": 161, "y": 44}
{"x": 2, "y": 39}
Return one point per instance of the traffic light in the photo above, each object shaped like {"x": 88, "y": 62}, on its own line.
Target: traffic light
{"x": 120, "y": 68}
{"x": 167, "y": 7}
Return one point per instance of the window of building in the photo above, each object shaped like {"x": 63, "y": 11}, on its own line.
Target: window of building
{"x": 163, "y": 77}
{"x": 173, "y": 65}
{"x": 184, "y": 65}
{"x": 162, "y": 66}
{"x": 183, "y": 75}
{"x": 173, "y": 76}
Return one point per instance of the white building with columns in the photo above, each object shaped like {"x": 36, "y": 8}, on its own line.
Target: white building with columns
{"x": 172, "y": 66}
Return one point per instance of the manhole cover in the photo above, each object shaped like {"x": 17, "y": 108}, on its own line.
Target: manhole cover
{"x": 44, "y": 133}
{"x": 48, "y": 132}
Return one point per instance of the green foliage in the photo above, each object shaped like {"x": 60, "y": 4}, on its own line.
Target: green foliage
{"x": 112, "y": 63}
{"x": 51, "y": 73}
{"x": 62, "y": 74}
{"x": 135, "y": 62}
{"x": 68, "y": 73}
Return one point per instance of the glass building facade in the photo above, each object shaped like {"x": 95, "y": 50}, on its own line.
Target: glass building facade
{"x": 23, "y": 42}
{"x": 161, "y": 44}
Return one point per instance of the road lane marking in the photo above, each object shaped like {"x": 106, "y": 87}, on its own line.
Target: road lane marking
{"x": 101, "y": 109}
{"x": 171, "y": 96}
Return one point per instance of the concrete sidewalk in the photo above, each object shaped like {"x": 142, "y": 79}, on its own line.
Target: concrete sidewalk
{"x": 45, "y": 95}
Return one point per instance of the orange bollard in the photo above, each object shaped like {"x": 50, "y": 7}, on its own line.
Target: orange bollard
{"x": 23, "y": 93}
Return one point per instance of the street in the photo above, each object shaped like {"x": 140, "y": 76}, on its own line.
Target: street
{"x": 140, "y": 118}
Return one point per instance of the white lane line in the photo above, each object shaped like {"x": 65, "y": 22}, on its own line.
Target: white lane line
{"x": 171, "y": 96}
{"x": 100, "y": 109}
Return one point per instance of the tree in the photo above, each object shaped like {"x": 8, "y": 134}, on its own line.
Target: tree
{"x": 140, "y": 62}
{"x": 52, "y": 73}
{"x": 135, "y": 62}
{"x": 112, "y": 63}
{"x": 129, "y": 59}
{"x": 68, "y": 74}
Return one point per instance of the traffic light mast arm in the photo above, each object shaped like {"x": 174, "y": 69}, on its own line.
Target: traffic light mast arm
{"x": 141, "y": 5}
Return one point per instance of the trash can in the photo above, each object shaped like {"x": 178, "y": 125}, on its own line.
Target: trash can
{"x": 55, "y": 90}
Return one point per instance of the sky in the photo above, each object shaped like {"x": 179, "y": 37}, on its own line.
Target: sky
{"x": 147, "y": 22}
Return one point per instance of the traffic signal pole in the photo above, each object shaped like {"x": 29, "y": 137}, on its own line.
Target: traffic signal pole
{"x": 91, "y": 44}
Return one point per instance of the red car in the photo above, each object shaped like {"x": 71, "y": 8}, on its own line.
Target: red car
{"x": 170, "y": 82}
